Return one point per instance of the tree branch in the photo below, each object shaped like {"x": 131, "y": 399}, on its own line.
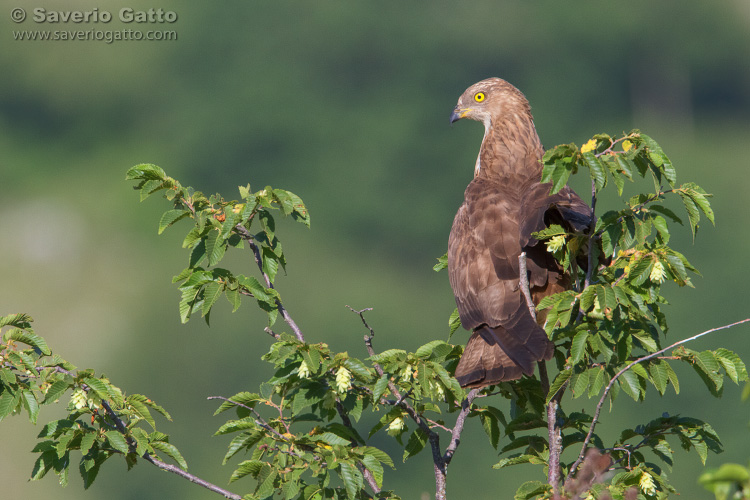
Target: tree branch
{"x": 245, "y": 234}
{"x": 592, "y": 239}
{"x": 190, "y": 477}
{"x": 459, "y": 427}
{"x": 524, "y": 284}
{"x": 628, "y": 367}
{"x": 123, "y": 429}
{"x": 553, "y": 431}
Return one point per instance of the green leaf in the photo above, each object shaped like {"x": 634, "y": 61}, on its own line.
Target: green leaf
{"x": 416, "y": 443}
{"x": 145, "y": 171}
{"x": 251, "y": 467}
{"x": 43, "y": 464}
{"x": 55, "y": 391}
{"x": 171, "y": 451}
{"x": 99, "y": 387}
{"x": 597, "y": 379}
{"x": 211, "y": 293}
{"x": 531, "y": 489}
{"x": 629, "y": 383}
{"x": 426, "y": 350}
{"x": 733, "y": 365}
{"x": 442, "y": 262}
{"x": 491, "y": 425}
{"x": 170, "y": 217}
{"x": 559, "y": 381}
{"x": 380, "y": 386}
{"x": 117, "y": 441}
{"x": 267, "y": 479}
{"x": 557, "y": 173}
{"x": 659, "y": 375}
{"x": 580, "y": 382}
{"x": 700, "y": 198}
{"x": 507, "y": 462}
{"x": 692, "y": 210}
{"x": 374, "y": 466}
{"x": 31, "y": 404}
{"x": 596, "y": 169}
{"x": 352, "y": 478}
{"x": 215, "y": 247}
{"x": 454, "y": 322}
{"x": 29, "y": 338}
{"x": 578, "y": 347}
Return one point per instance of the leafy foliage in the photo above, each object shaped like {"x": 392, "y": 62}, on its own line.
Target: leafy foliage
{"x": 102, "y": 422}
{"x": 303, "y": 436}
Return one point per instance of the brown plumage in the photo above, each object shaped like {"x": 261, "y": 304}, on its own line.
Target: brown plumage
{"x": 502, "y": 206}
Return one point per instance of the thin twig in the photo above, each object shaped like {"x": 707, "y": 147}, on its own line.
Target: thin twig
{"x": 592, "y": 239}
{"x": 459, "y": 427}
{"x": 440, "y": 461}
{"x": 122, "y": 428}
{"x": 272, "y": 333}
{"x": 245, "y": 234}
{"x": 524, "y": 284}
{"x": 190, "y": 477}
{"x": 628, "y": 367}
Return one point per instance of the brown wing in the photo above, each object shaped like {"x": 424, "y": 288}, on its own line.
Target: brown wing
{"x": 483, "y": 251}
{"x": 489, "y": 232}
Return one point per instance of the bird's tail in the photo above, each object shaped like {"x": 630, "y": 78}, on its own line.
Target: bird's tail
{"x": 494, "y": 355}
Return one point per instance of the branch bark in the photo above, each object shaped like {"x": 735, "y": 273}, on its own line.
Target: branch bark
{"x": 122, "y": 428}
{"x": 440, "y": 460}
{"x": 245, "y": 234}
{"x": 554, "y": 436}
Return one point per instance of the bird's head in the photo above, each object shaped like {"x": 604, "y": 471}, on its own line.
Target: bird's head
{"x": 489, "y": 99}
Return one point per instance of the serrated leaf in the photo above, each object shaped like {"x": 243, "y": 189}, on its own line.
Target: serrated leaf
{"x": 531, "y": 489}
{"x": 117, "y": 441}
{"x": 692, "y": 211}
{"x": 352, "y": 478}
{"x": 491, "y": 427}
{"x": 29, "y": 338}
{"x": 31, "y": 404}
{"x": 557, "y": 174}
{"x": 580, "y": 382}
{"x": 733, "y": 365}
{"x": 578, "y": 347}
{"x": 659, "y": 376}
{"x": 597, "y": 379}
{"x": 248, "y": 467}
{"x": 559, "y": 381}
{"x": 170, "y": 217}
{"x": 215, "y": 247}
{"x": 55, "y": 391}
{"x": 171, "y": 451}
{"x": 629, "y": 383}
{"x": 596, "y": 169}
{"x": 380, "y": 387}
{"x": 211, "y": 293}
{"x": 416, "y": 443}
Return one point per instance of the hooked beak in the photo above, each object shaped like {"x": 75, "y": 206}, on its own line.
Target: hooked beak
{"x": 459, "y": 113}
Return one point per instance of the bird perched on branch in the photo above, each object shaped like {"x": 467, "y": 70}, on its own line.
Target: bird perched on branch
{"x": 503, "y": 205}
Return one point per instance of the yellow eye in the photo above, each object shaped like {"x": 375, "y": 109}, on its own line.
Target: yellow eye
{"x": 479, "y": 96}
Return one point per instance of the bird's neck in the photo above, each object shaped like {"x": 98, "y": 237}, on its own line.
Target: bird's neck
{"x": 510, "y": 147}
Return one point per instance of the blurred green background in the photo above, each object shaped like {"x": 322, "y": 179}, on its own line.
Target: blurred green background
{"x": 347, "y": 105}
